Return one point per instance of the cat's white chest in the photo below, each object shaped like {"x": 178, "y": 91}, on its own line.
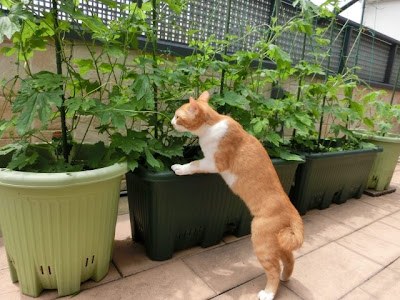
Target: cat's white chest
{"x": 209, "y": 143}
{"x": 211, "y": 138}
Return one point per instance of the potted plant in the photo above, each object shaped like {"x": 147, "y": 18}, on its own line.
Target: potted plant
{"x": 336, "y": 166}
{"x": 383, "y": 115}
{"x": 168, "y": 212}
{"x": 59, "y": 193}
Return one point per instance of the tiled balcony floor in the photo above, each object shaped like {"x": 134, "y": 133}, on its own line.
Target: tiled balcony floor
{"x": 351, "y": 251}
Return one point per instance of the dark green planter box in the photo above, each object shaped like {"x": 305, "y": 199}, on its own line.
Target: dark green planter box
{"x": 170, "y": 213}
{"x": 332, "y": 177}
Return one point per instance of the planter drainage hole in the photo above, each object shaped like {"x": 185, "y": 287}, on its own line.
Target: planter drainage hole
{"x": 87, "y": 261}
{"x": 42, "y": 270}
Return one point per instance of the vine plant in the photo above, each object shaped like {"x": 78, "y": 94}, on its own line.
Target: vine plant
{"x": 119, "y": 92}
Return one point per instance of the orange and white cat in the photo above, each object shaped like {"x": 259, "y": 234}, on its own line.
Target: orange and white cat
{"x": 277, "y": 228}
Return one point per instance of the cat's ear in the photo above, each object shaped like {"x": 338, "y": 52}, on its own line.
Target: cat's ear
{"x": 193, "y": 105}
{"x": 205, "y": 96}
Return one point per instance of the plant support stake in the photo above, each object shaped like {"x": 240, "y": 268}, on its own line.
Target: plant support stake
{"x": 59, "y": 72}
{"x": 326, "y": 79}
{"x": 228, "y": 17}
{"x": 154, "y": 3}
{"x": 300, "y": 79}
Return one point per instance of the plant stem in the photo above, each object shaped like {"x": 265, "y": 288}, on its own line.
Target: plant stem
{"x": 59, "y": 72}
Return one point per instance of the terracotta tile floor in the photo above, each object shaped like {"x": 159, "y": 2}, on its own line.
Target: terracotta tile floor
{"x": 351, "y": 251}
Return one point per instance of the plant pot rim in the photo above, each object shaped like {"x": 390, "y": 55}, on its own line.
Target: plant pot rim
{"x": 58, "y": 180}
{"x": 391, "y": 138}
{"x": 170, "y": 175}
{"x": 339, "y": 153}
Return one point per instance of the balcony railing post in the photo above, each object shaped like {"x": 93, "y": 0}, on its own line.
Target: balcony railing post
{"x": 389, "y": 63}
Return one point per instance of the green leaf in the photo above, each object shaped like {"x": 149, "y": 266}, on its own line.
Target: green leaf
{"x": 30, "y": 104}
{"x": 8, "y": 27}
{"x": 7, "y": 3}
{"x": 369, "y": 122}
{"x": 105, "y": 68}
{"x": 322, "y": 42}
{"x": 232, "y": 99}
{"x": 6, "y": 125}
{"x": 141, "y": 86}
{"x": 45, "y": 80}
{"x": 167, "y": 151}
{"x": 20, "y": 160}
{"x": 132, "y": 164}
{"x": 10, "y": 148}
{"x": 280, "y": 57}
{"x": 286, "y": 155}
{"x": 175, "y": 6}
{"x": 114, "y": 51}
{"x": 97, "y": 156}
{"x": 357, "y": 107}
{"x": 110, "y": 3}
{"x": 150, "y": 159}
{"x": 118, "y": 120}
{"x": 8, "y": 51}
{"x": 259, "y": 125}
{"x": 273, "y": 137}
{"x": 133, "y": 141}
{"x": 85, "y": 65}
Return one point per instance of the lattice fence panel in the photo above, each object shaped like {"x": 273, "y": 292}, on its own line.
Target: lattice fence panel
{"x": 372, "y": 56}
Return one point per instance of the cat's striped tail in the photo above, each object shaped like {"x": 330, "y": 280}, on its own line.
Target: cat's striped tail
{"x": 291, "y": 238}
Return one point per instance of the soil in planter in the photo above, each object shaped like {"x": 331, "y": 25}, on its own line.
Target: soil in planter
{"x": 83, "y": 157}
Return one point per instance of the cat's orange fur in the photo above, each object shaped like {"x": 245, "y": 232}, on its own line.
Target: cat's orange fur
{"x": 277, "y": 228}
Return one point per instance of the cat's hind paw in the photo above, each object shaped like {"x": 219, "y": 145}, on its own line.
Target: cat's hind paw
{"x": 283, "y": 278}
{"x": 262, "y": 295}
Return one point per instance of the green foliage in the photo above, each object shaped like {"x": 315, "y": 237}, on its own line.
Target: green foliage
{"x": 122, "y": 96}
{"x": 36, "y": 97}
{"x": 132, "y": 100}
{"x": 381, "y": 115}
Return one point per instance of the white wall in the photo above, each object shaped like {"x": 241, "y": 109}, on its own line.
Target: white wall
{"x": 384, "y": 17}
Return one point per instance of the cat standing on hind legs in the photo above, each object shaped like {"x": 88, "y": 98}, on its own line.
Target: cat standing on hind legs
{"x": 277, "y": 228}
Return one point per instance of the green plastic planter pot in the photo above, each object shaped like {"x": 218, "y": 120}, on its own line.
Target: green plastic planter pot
{"x": 383, "y": 168}
{"x": 170, "y": 213}
{"x": 58, "y": 228}
{"x": 332, "y": 177}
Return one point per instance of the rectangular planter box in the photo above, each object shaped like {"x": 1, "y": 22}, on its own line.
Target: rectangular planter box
{"x": 332, "y": 177}
{"x": 170, "y": 213}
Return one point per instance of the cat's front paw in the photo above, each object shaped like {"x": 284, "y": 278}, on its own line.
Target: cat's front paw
{"x": 262, "y": 295}
{"x": 180, "y": 169}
